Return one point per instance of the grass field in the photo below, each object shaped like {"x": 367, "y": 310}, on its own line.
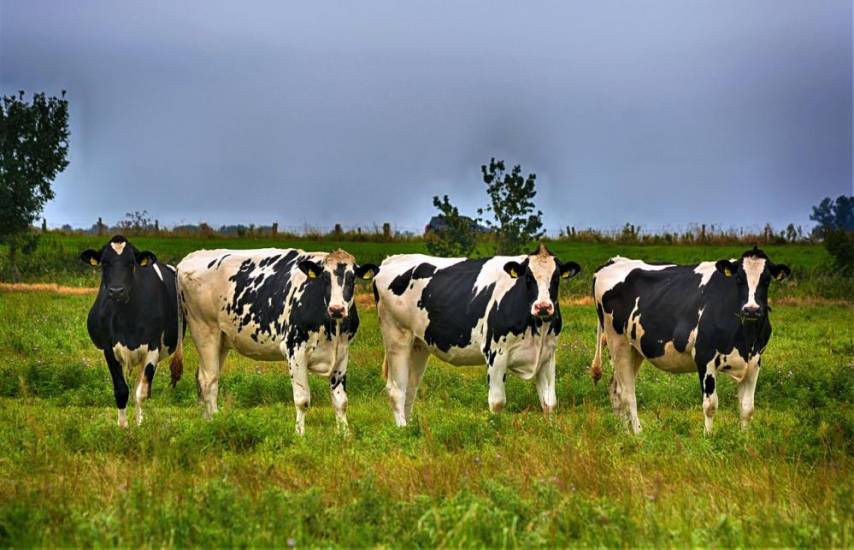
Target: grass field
{"x": 457, "y": 476}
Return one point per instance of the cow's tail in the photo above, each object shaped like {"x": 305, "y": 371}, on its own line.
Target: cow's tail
{"x": 176, "y": 367}
{"x": 596, "y": 365}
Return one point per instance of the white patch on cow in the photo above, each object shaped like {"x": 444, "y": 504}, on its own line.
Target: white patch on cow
{"x": 157, "y": 270}
{"x": 119, "y": 247}
{"x": 611, "y": 275}
{"x": 753, "y": 268}
{"x": 542, "y": 266}
{"x": 172, "y": 267}
{"x": 492, "y": 272}
{"x": 130, "y": 357}
{"x": 706, "y": 270}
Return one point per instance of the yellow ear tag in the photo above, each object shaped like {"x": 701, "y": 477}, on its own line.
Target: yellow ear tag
{"x": 513, "y": 273}
{"x": 564, "y": 275}
{"x": 312, "y": 274}
{"x": 367, "y": 275}
{"x": 780, "y": 275}
{"x": 727, "y": 272}
{"x": 93, "y": 261}
{"x": 143, "y": 262}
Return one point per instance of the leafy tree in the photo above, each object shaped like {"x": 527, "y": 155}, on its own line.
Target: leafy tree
{"x": 836, "y": 227}
{"x": 33, "y": 151}
{"x": 515, "y": 223}
{"x": 830, "y": 214}
{"x": 458, "y": 236}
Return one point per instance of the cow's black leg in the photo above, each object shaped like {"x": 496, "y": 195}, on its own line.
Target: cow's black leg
{"x": 120, "y": 387}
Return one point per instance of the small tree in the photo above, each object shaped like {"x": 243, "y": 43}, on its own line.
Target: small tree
{"x": 458, "y": 234}
{"x": 33, "y": 151}
{"x": 515, "y": 223}
{"x": 836, "y": 227}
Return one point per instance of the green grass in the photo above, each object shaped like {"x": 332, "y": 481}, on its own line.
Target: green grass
{"x": 56, "y": 259}
{"x": 457, "y": 476}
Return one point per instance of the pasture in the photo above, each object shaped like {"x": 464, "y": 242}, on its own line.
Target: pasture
{"x": 457, "y": 476}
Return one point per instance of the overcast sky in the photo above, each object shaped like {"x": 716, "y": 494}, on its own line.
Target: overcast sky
{"x": 657, "y": 113}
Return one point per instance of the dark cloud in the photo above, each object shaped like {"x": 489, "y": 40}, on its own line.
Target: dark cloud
{"x": 737, "y": 113}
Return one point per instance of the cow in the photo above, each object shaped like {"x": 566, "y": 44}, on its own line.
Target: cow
{"x": 708, "y": 318}
{"x": 272, "y": 304}
{"x": 135, "y": 320}
{"x": 501, "y": 311}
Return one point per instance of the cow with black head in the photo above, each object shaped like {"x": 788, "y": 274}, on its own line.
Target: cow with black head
{"x": 501, "y": 311}
{"x": 135, "y": 319}
{"x": 273, "y": 304}
{"x": 708, "y": 318}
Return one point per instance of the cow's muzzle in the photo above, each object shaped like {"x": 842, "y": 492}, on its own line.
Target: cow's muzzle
{"x": 118, "y": 294}
{"x": 543, "y": 310}
{"x": 751, "y": 314}
{"x": 337, "y": 312}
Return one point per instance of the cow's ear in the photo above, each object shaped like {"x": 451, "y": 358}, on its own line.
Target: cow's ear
{"x": 514, "y": 269}
{"x": 145, "y": 258}
{"x": 91, "y": 257}
{"x": 311, "y": 269}
{"x": 367, "y": 271}
{"x": 780, "y": 271}
{"x": 726, "y": 267}
{"x": 569, "y": 270}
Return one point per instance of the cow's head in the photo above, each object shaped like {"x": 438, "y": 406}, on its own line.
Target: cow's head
{"x": 337, "y": 274}
{"x": 542, "y": 273}
{"x": 753, "y": 272}
{"x": 118, "y": 260}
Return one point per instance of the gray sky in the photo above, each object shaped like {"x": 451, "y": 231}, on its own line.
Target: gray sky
{"x": 658, "y": 113}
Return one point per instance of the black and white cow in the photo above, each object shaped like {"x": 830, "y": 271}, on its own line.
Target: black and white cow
{"x": 501, "y": 311}
{"x": 271, "y": 304}
{"x": 708, "y": 318}
{"x": 135, "y": 319}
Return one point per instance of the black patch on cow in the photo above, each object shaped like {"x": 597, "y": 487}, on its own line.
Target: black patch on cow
{"x": 376, "y": 293}
{"x": 453, "y": 307}
{"x": 401, "y": 283}
{"x": 149, "y": 376}
{"x": 709, "y": 385}
{"x": 261, "y": 299}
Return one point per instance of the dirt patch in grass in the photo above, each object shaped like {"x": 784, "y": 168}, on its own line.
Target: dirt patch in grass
{"x": 47, "y": 287}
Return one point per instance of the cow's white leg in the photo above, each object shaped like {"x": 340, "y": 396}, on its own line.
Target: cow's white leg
{"x": 710, "y": 395}
{"x": 496, "y": 373}
{"x": 298, "y": 367}
{"x": 146, "y": 378}
{"x": 546, "y": 386}
{"x": 120, "y": 387}
{"x": 398, "y": 345}
{"x": 211, "y": 355}
{"x": 338, "y": 389}
{"x": 397, "y": 383}
{"x": 746, "y": 390}
{"x": 417, "y": 365}
{"x": 627, "y": 362}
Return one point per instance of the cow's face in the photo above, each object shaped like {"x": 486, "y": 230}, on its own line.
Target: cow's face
{"x": 753, "y": 274}
{"x": 542, "y": 273}
{"x": 119, "y": 261}
{"x": 337, "y": 276}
